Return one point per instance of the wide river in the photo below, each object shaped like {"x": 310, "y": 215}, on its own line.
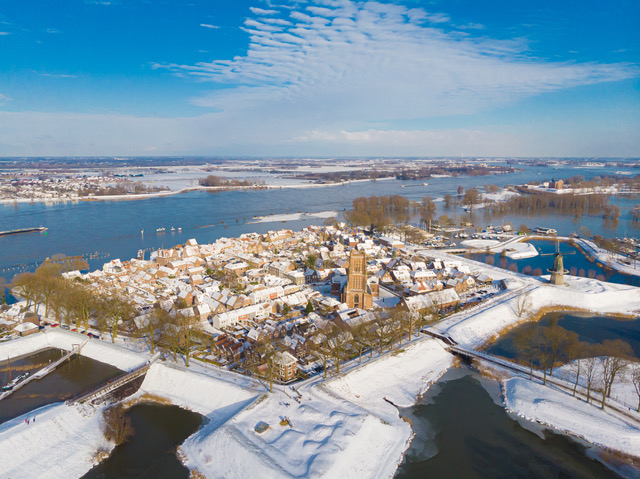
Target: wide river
{"x": 113, "y": 229}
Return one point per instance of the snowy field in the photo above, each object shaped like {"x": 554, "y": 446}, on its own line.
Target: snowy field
{"x": 514, "y": 248}
{"x": 341, "y": 428}
{"x": 582, "y": 293}
{"x": 60, "y": 444}
{"x": 622, "y": 390}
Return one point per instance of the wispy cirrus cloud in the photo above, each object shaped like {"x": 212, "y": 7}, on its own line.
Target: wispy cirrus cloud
{"x": 57, "y": 75}
{"x": 4, "y": 99}
{"x": 208, "y": 25}
{"x": 349, "y": 61}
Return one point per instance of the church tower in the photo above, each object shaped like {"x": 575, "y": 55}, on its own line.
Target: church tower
{"x": 356, "y": 293}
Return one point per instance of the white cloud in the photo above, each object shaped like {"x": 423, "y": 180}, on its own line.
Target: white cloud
{"x": 262, "y": 11}
{"x": 57, "y": 75}
{"x": 338, "y": 78}
{"x": 2, "y": 34}
{"x": 4, "y": 99}
{"x": 344, "y": 61}
{"x": 208, "y": 25}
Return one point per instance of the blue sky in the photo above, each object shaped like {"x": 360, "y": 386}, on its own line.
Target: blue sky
{"x": 320, "y": 78}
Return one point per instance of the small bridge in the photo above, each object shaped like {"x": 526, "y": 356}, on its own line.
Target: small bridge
{"x": 102, "y": 390}
{"x": 49, "y": 368}
{"x": 442, "y": 336}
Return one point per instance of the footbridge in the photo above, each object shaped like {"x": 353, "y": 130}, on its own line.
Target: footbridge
{"x": 101, "y": 391}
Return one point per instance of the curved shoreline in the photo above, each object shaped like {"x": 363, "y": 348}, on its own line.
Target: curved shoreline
{"x": 160, "y": 194}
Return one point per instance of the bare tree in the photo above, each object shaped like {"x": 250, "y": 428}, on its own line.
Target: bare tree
{"x": 383, "y": 330}
{"x": 338, "y": 342}
{"x": 577, "y": 353}
{"x": 591, "y": 372}
{"x": 114, "y": 311}
{"x": 116, "y": 425}
{"x": 82, "y": 304}
{"x": 635, "y": 379}
{"x": 187, "y": 329}
{"x": 264, "y": 363}
{"x": 24, "y": 285}
{"x": 361, "y": 338}
{"x": 321, "y": 349}
{"x": 526, "y": 342}
{"x": 523, "y": 304}
{"x": 616, "y": 358}
{"x": 151, "y": 327}
{"x": 557, "y": 341}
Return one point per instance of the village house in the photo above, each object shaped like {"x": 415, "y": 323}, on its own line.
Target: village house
{"x": 286, "y": 366}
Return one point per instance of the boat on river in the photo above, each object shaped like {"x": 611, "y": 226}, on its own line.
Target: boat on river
{"x": 14, "y": 382}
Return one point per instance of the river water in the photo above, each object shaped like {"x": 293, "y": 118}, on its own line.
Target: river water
{"x": 463, "y": 431}
{"x": 70, "y": 378}
{"x": 590, "y": 328}
{"x": 151, "y": 452}
{"x": 575, "y": 262}
{"x": 113, "y": 229}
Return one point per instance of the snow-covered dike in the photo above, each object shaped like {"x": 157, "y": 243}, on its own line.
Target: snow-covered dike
{"x": 341, "y": 428}
{"x": 61, "y": 443}
{"x": 192, "y": 390}
{"x": 400, "y": 378}
{"x": 582, "y": 293}
{"x": 108, "y": 353}
{"x": 568, "y": 414}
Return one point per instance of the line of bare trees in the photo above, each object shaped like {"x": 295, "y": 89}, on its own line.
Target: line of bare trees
{"x": 72, "y": 302}
{"x": 379, "y": 211}
{"x": 597, "y": 366}
{"x": 69, "y": 301}
{"x": 387, "y": 330}
{"x": 339, "y": 342}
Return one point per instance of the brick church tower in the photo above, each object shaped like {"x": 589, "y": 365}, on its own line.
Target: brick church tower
{"x": 356, "y": 292}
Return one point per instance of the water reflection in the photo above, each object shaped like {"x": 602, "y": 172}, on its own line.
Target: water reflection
{"x": 151, "y": 453}
{"x": 590, "y": 328}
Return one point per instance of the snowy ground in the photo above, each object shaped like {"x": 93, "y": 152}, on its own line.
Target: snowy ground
{"x": 341, "y": 428}
{"x": 613, "y": 260}
{"x": 568, "y": 414}
{"x": 515, "y": 247}
{"x": 61, "y": 443}
{"x": 477, "y": 326}
{"x": 622, "y": 390}
{"x": 293, "y": 217}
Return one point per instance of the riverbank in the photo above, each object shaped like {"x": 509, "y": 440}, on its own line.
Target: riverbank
{"x": 563, "y": 412}
{"x": 160, "y": 194}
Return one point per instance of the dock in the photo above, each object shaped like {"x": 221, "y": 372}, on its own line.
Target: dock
{"x": 49, "y": 368}
{"x": 37, "y": 229}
